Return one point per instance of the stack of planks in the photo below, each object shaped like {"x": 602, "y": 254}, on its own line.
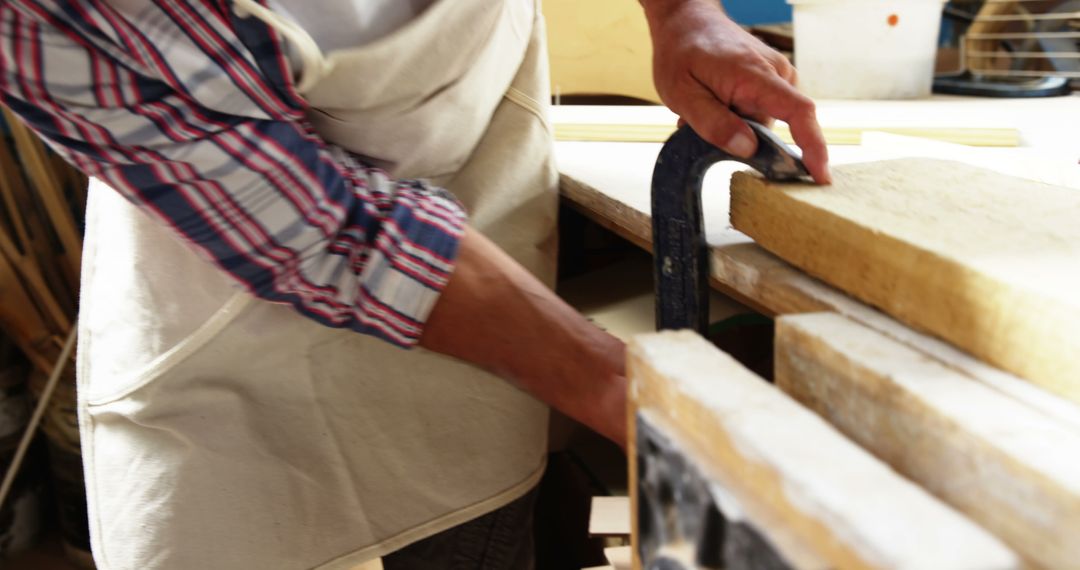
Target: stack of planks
{"x": 817, "y": 499}
{"x": 41, "y": 208}
{"x": 989, "y": 264}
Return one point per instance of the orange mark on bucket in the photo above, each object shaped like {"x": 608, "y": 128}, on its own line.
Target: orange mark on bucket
{"x": 893, "y": 19}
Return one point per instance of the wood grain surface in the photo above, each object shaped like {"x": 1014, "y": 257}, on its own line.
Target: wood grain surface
{"x": 789, "y": 467}
{"x": 987, "y": 262}
{"x": 1010, "y": 468}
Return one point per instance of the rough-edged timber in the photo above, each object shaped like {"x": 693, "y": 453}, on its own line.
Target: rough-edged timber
{"x": 816, "y": 494}
{"x": 988, "y": 262}
{"x": 1013, "y": 470}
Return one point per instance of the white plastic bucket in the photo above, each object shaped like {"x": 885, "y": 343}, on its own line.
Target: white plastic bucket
{"x": 866, "y": 49}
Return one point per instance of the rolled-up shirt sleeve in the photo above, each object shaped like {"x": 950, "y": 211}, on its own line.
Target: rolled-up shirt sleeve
{"x": 291, "y": 218}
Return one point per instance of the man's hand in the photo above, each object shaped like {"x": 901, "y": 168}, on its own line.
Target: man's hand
{"x": 707, "y": 69}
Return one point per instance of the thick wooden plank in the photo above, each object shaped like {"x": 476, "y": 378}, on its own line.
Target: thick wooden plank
{"x": 1007, "y": 466}
{"x": 846, "y": 506}
{"x": 786, "y": 290}
{"x": 988, "y": 262}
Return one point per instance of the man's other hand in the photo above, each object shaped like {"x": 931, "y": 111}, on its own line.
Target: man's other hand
{"x": 709, "y": 71}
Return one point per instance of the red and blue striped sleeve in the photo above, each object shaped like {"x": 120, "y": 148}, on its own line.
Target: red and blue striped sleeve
{"x": 208, "y": 145}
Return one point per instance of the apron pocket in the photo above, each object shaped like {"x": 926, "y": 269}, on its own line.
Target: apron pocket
{"x": 156, "y": 368}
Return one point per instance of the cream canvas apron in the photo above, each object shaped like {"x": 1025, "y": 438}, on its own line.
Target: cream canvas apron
{"x": 220, "y": 431}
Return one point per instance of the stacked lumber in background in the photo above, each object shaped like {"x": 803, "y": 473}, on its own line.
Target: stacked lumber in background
{"x": 42, "y": 202}
{"x": 41, "y": 209}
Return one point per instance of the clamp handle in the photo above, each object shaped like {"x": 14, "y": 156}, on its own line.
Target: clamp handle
{"x": 680, "y": 252}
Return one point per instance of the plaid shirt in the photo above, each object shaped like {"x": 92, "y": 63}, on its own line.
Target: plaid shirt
{"x": 188, "y": 111}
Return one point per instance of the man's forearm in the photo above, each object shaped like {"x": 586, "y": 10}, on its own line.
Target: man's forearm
{"x": 495, "y": 314}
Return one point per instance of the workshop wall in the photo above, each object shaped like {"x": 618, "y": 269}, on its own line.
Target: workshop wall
{"x": 749, "y": 12}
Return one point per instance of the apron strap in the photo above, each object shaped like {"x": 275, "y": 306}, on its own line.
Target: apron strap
{"x": 315, "y": 66}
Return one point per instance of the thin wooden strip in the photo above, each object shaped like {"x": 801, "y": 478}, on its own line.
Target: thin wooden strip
{"x": 1011, "y": 469}
{"x": 849, "y": 507}
{"x": 984, "y": 137}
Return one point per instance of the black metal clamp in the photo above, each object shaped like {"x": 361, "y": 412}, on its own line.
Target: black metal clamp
{"x": 677, "y": 504}
{"x": 680, "y": 253}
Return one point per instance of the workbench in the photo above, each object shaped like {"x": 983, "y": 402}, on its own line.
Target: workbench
{"x": 609, "y": 183}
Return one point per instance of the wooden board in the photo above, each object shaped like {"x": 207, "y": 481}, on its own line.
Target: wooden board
{"x": 987, "y": 262}
{"x": 836, "y": 499}
{"x": 599, "y": 47}
{"x": 1010, "y": 468}
{"x": 609, "y": 516}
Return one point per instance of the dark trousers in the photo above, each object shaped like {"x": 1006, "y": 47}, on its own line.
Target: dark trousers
{"x": 500, "y": 540}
